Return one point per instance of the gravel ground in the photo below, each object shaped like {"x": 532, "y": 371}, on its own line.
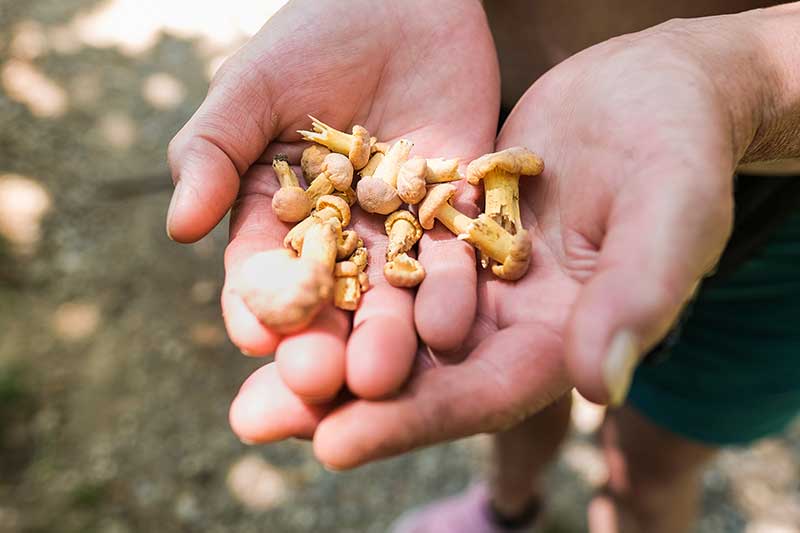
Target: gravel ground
{"x": 115, "y": 372}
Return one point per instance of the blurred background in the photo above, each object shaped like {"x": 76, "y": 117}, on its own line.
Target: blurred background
{"x": 115, "y": 371}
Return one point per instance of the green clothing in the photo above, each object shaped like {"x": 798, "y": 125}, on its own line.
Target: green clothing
{"x": 733, "y": 374}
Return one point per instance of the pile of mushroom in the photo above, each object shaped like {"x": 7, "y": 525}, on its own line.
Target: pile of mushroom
{"x": 325, "y": 262}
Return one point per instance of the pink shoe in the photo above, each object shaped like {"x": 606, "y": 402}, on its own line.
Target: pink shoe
{"x": 468, "y": 512}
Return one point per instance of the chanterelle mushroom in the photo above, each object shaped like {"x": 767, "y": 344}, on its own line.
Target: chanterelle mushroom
{"x": 311, "y": 161}
{"x": 378, "y": 193}
{"x": 403, "y": 271}
{"x": 356, "y": 146}
{"x": 511, "y": 252}
{"x": 403, "y": 230}
{"x": 500, "y": 173}
{"x": 411, "y": 180}
{"x": 328, "y": 206}
{"x": 284, "y": 292}
{"x": 336, "y": 174}
{"x": 290, "y": 202}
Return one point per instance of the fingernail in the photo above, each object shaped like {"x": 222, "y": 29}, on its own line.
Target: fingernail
{"x": 247, "y": 442}
{"x": 330, "y": 468}
{"x": 172, "y": 203}
{"x": 618, "y": 366}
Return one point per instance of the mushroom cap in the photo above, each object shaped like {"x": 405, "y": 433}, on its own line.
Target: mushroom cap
{"x": 311, "y": 161}
{"x": 442, "y": 170}
{"x": 411, "y": 180}
{"x": 404, "y": 271}
{"x": 339, "y": 171}
{"x": 518, "y": 260}
{"x": 402, "y": 214}
{"x": 360, "y": 148}
{"x": 348, "y": 242}
{"x": 285, "y": 293}
{"x": 337, "y": 203}
{"x": 516, "y": 160}
{"x": 377, "y": 196}
{"x": 291, "y": 204}
{"x": 437, "y": 196}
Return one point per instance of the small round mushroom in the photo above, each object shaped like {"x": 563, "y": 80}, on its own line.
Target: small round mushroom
{"x": 285, "y": 293}
{"x": 404, "y": 271}
{"x": 377, "y": 196}
{"x": 290, "y": 202}
{"x": 377, "y": 193}
{"x": 339, "y": 171}
{"x": 311, "y": 161}
{"x": 411, "y": 180}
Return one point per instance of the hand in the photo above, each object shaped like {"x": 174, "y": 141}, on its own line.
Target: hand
{"x": 634, "y": 207}
{"x": 402, "y": 70}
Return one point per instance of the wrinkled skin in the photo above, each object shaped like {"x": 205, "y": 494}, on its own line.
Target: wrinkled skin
{"x": 634, "y": 207}
{"x": 387, "y": 70}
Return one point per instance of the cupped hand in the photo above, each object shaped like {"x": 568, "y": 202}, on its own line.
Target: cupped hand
{"x": 634, "y": 207}
{"x": 400, "y": 69}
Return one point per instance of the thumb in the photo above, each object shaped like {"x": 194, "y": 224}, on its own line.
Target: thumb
{"x": 661, "y": 238}
{"x": 208, "y": 155}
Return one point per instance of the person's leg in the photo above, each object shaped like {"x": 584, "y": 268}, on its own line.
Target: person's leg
{"x": 510, "y": 499}
{"x": 654, "y": 476}
{"x": 520, "y": 455}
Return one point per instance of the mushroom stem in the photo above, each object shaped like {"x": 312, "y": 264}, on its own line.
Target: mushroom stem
{"x": 489, "y": 237}
{"x": 373, "y": 163}
{"x": 346, "y": 287}
{"x": 390, "y": 165}
{"x": 284, "y": 172}
{"x": 319, "y": 187}
{"x": 319, "y": 243}
{"x": 335, "y": 140}
{"x": 457, "y": 222}
{"x": 502, "y": 199}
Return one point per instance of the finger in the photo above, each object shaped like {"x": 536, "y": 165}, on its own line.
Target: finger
{"x": 265, "y": 410}
{"x": 659, "y": 243}
{"x": 509, "y": 376}
{"x": 219, "y": 143}
{"x": 254, "y": 228}
{"x": 447, "y": 298}
{"x": 312, "y": 363}
{"x": 380, "y": 352}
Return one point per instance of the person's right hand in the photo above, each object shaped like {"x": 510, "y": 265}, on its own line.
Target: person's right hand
{"x": 412, "y": 69}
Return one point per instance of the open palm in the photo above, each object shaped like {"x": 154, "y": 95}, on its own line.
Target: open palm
{"x": 401, "y": 72}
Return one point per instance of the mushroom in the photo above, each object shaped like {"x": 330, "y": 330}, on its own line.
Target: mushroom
{"x": 500, "y": 173}
{"x": 356, "y": 146}
{"x": 336, "y": 174}
{"x": 403, "y": 271}
{"x": 417, "y": 173}
{"x": 311, "y": 161}
{"x": 377, "y": 147}
{"x": 377, "y": 193}
{"x": 373, "y": 163}
{"x": 290, "y": 202}
{"x": 350, "y": 280}
{"x": 441, "y": 170}
{"x": 346, "y": 243}
{"x": 327, "y": 206}
{"x": 320, "y": 242}
{"x": 411, "y": 180}
{"x": 284, "y": 292}
{"x": 511, "y": 252}
{"x": 403, "y": 230}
